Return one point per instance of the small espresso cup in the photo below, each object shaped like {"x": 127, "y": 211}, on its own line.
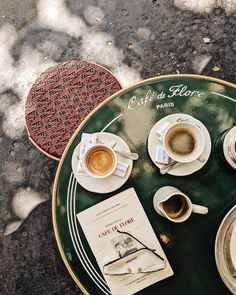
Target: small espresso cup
{"x": 174, "y": 205}
{"x": 183, "y": 141}
{"x": 100, "y": 161}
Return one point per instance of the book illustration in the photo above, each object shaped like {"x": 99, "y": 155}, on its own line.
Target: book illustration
{"x": 124, "y": 245}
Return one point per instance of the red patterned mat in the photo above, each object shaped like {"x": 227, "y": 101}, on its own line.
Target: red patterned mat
{"x": 61, "y": 98}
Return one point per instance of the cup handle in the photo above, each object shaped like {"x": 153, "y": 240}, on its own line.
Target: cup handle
{"x": 161, "y": 129}
{"x": 199, "y": 209}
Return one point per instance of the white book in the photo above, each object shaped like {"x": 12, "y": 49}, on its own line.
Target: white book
{"x": 118, "y": 232}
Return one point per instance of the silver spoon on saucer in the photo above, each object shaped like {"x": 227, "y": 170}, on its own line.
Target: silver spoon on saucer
{"x": 133, "y": 156}
{"x": 129, "y": 155}
{"x": 169, "y": 166}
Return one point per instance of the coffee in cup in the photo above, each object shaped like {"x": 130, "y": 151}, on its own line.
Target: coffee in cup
{"x": 100, "y": 161}
{"x": 182, "y": 141}
{"x": 176, "y": 206}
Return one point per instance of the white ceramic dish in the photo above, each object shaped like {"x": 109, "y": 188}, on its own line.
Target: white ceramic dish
{"x": 180, "y": 169}
{"x": 108, "y": 184}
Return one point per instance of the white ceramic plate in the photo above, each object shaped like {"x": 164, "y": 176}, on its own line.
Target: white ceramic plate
{"x": 180, "y": 169}
{"x": 111, "y": 183}
{"x": 225, "y": 250}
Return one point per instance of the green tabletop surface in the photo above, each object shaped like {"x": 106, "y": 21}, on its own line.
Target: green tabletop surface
{"x": 190, "y": 248}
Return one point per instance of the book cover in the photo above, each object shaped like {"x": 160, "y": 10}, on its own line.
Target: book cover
{"x": 124, "y": 244}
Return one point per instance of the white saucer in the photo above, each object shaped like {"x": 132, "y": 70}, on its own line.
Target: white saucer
{"x": 179, "y": 169}
{"x": 111, "y": 183}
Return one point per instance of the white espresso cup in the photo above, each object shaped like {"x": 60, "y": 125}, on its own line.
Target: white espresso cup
{"x": 174, "y": 205}
{"x": 100, "y": 161}
{"x": 183, "y": 142}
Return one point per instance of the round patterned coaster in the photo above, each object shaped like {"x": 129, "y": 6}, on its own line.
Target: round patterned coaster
{"x": 61, "y": 98}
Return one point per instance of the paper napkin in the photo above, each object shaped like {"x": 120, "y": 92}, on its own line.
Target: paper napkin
{"x": 161, "y": 155}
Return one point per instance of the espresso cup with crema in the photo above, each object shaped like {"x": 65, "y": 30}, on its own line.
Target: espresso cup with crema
{"x": 100, "y": 161}
{"x": 183, "y": 142}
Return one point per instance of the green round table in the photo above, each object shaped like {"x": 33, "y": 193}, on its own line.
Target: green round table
{"x": 190, "y": 248}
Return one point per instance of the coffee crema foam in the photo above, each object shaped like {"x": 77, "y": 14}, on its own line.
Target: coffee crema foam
{"x": 100, "y": 161}
{"x": 181, "y": 141}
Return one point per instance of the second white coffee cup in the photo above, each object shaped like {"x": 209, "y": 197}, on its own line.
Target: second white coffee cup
{"x": 183, "y": 142}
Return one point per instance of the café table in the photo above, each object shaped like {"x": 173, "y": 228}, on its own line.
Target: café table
{"x": 131, "y": 113}
{"x": 135, "y": 40}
